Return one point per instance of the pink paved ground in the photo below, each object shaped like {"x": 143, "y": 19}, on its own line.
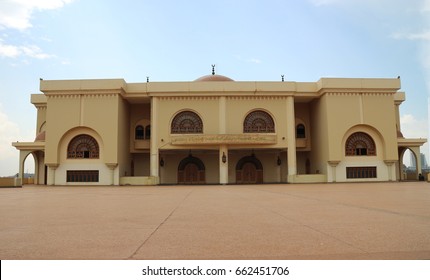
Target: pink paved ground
{"x": 326, "y": 221}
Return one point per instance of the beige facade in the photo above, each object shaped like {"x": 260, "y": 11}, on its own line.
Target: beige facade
{"x": 217, "y": 131}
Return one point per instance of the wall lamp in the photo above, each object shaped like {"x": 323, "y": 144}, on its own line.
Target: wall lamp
{"x": 224, "y": 158}
{"x": 279, "y": 162}
{"x": 161, "y": 162}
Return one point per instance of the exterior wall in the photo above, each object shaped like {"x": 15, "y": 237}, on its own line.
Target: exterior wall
{"x": 271, "y": 171}
{"x": 57, "y": 127}
{"x": 124, "y": 158}
{"x": 374, "y": 110}
{"x": 84, "y": 116}
{"x": 104, "y": 172}
{"x": 352, "y": 161}
{"x": 39, "y": 167}
{"x": 41, "y": 119}
{"x": 237, "y": 108}
{"x": 370, "y": 113}
{"x": 82, "y": 111}
{"x": 10, "y": 182}
{"x": 284, "y": 166}
{"x": 141, "y": 164}
{"x": 379, "y": 112}
{"x": 140, "y": 114}
{"x": 301, "y": 162}
{"x": 81, "y": 164}
{"x": 7, "y": 182}
{"x": 206, "y": 108}
{"x": 169, "y": 172}
{"x": 319, "y": 156}
{"x": 109, "y": 110}
{"x": 302, "y": 115}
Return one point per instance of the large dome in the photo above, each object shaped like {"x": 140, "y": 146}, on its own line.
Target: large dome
{"x": 214, "y": 78}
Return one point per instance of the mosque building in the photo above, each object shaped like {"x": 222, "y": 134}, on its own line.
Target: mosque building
{"x": 215, "y": 130}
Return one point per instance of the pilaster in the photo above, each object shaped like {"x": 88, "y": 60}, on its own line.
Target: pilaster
{"x": 223, "y": 164}
{"x": 291, "y": 138}
{"x": 154, "y": 153}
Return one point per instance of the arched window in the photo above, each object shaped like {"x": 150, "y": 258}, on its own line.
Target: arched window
{"x": 83, "y": 146}
{"x": 360, "y": 144}
{"x": 148, "y": 132}
{"x": 186, "y": 122}
{"x": 139, "y": 132}
{"x": 258, "y": 122}
{"x": 300, "y": 131}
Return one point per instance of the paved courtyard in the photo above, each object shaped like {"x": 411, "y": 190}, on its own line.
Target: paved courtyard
{"x": 315, "y": 221}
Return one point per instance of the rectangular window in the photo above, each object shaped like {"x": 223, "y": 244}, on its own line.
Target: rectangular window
{"x": 361, "y": 172}
{"x": 82, "y": 176}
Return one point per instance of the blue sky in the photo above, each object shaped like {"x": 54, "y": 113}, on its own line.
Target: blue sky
{"x": 179, "y": 40}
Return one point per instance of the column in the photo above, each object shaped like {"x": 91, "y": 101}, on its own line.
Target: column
{"x": 112, "y": 167}
{"x": 397, "y": 112}
{"x": 223, "y": 149}
{"x": 291, "y": 139}
{"x": 333, "y": 164}
{"x": 154, "y": 162}
{"x": 390, "y": 164}
{"x": 22, "y": 157}
{"x": 278, "y": 168}
{"x": 416, "y": 151}
{"x": 223, "y": 166}
{"x": 51, "y": 173}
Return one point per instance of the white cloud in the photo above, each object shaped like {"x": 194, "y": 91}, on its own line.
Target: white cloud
{"x": 16, "y": 14}
{"x": 9, "y": 132}
{"x": 251, "y": 60}
{"x": 422, "y": 36}
{"x": 13, "y": 51}
{"x": 413, "y": 128}
{"x": 426, "y": 6}
{"x": 254, "y": 60}
{"x": 8, "y": 50}
{"x": 324, "y": 2}
{"x": 9, "y": 156}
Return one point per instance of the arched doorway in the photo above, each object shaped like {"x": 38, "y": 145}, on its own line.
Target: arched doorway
{"x": 191, "y": 170}
{"x": 249, "y": 170}
{"x": 29, "y": 169}
{"x": 408, "y": 165}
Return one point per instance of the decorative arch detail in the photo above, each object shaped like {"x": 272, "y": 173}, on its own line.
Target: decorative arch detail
{"x": 83, "y": 146}
{"x": 300, "y": 131}
{"x": 191, "y": 170}
{"x": 142, "y": 130}
{"x": 249, "y": 170}
{"x": 258, "y": 121}
{"x": 360, "y": 144}
{"x": 186, "y": 122}
{"x": 139, "y": 132}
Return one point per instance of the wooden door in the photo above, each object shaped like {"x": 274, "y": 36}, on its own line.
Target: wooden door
{"x": 191, "y": 174}
{"x": 249, "y": 173}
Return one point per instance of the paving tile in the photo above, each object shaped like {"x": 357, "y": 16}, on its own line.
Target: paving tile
{"x": 312, "y": 221}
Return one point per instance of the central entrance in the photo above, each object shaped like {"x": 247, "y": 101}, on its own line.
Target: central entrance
{"x": 191, "y": 170}
{"x": 249, "y": 170}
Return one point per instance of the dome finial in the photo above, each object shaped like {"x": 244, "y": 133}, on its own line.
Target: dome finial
{"x": 213, "y": 69}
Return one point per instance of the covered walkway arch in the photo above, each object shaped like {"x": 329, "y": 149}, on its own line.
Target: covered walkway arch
{"x": 37, "y": 149}
{"x": 414, "y": 146}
